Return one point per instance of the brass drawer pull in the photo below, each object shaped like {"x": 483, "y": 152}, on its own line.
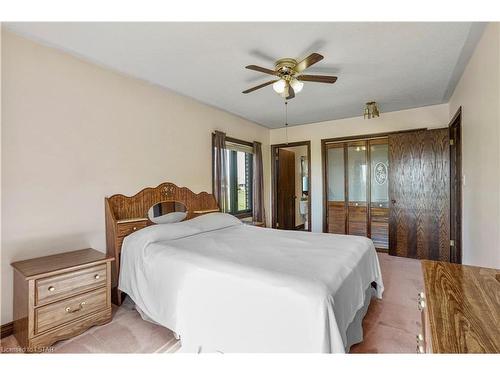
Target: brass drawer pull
{"x": 96, "y": 277}
{"x": 421, "y": 305}
{"x": 421, "y": 301}
{"x": 68, "y": 309}
{"x": 51, "y": 288}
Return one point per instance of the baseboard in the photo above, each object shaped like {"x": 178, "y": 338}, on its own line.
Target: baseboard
{"x": 7, "y": 329}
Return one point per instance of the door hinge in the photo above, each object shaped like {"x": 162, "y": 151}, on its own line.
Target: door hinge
{"x": 452, "y": 243}
{"x": 452, "y": 142}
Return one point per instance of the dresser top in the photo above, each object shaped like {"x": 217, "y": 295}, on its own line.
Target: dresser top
{"x": 463, "y": 304}
{"x": 37, "y": 267}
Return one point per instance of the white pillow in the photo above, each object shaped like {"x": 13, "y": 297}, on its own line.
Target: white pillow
{"x": 213, "y": 221}
{"x": 172, "y": 217}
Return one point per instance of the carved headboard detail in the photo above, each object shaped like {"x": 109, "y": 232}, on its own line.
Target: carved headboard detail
{"x": 137, "y": 206}
{"x": 125, "y": 215}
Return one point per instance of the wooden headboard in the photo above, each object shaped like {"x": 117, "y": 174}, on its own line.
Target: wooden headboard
{"x": 125, "y": 215}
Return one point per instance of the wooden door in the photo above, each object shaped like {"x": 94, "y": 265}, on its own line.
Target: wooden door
{"x": 456, "y": 188}
{"x": 286, "y": 189}
{"x": 419, "y": 192}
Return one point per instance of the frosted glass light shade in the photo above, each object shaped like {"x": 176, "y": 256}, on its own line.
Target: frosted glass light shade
{"x": 296, "y": 85}
{"x": 279, "y": 86}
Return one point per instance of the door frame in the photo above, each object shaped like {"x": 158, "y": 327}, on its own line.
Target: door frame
{"x": 274, "y": 179}
{"x": 455, "y": 127}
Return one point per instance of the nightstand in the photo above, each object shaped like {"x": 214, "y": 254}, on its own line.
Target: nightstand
{"x": 60, "y": 296}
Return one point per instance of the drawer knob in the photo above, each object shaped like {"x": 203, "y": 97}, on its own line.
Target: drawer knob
{"x": 421, "y": 305}
{"x": 420, "y": 338}
{"x": 69, "y": 310}
{"x": 51, "y": 288}
{"x": 97, "y": 277}
{"x": 420, "y": 349}
{"x": 134, "y": 228}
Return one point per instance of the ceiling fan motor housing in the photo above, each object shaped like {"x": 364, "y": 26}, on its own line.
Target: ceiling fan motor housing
{"x": 286, "y": 67}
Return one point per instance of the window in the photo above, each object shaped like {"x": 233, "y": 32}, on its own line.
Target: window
{"x": 240, "y": 177}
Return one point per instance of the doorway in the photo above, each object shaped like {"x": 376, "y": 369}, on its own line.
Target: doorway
{"x": 291, "y": 190}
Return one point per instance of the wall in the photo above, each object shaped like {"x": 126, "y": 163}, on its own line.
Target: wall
{"x": 431, "y": 117}
{"x": 478, "y": 92}
{"x": 74, "y": 132}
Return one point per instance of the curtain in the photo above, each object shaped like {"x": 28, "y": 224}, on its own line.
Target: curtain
{"x": 220, "y": 178}
{"x": 258, "y": 185}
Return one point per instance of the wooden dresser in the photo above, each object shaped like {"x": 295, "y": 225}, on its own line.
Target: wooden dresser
{"x": 60, "y": 296}
{"x": 460, "y": 309}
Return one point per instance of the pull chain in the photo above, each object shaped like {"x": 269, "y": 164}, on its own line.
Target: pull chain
{"x": 286, "y": 121}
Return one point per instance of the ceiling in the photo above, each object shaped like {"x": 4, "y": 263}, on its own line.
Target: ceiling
{"x": 400, "y": 65}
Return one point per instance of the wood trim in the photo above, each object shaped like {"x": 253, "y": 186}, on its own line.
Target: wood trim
{"x": 240, "y": 141}
{"x": 274, "y": 149}
{"x": 366, "y": 137}
{"x": 7, "y": 329}
{"x": 455, "y": 127}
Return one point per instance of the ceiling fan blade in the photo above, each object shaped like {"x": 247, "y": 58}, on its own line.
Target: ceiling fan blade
{"x": 314, "y": 78}
{"x": 259, "y": 86}
{"x": 291, "y": 93}
{"x": 312, "y": 59}
{"x": 261, "y": 69}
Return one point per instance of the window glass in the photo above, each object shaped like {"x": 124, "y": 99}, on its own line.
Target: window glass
{"x": 240, "y": 175}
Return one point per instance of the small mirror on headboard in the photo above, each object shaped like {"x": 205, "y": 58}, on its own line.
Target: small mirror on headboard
{"x": 167, "y": 212}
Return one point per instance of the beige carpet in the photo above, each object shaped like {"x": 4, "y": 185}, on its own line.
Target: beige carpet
{"x": 390, "y": 325}
{"x": 127, "y": 333}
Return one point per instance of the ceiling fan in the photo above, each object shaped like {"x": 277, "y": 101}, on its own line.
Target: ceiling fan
{"x": 289, "y": 75}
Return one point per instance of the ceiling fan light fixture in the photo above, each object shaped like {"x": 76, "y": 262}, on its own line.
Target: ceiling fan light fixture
{"x": 296, "y": 85}
{"x": 279, "y": 86}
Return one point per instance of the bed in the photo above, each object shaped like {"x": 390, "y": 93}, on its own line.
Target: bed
{"x": 224, "y": 286}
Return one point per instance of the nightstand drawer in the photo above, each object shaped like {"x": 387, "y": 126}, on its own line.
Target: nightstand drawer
{"x": 62, "y": 312}
{"x": 124, "y": 229}
{"x": 67, "y": 284}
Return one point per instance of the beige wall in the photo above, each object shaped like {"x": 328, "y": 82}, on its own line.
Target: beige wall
{"x": 478, "y": 92}
{"x": 432, "y": 116}
{"x": 74, "y": 132}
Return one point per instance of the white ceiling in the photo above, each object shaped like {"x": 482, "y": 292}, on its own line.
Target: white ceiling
{"x": 400, "y": 65}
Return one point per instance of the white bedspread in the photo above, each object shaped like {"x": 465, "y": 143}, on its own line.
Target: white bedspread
{"x": 229, "y": 287}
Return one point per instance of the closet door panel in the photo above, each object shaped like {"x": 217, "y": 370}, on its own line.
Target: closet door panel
{"x": 336, "y": 217}
{"x": 357, "y": 187}
{"x": 336, "y": 205}
{"x": 379, "y": 192}
{"x": 419, "y": 194}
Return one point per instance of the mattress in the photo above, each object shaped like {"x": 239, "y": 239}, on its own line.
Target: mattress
{"x": 224, "y": 286}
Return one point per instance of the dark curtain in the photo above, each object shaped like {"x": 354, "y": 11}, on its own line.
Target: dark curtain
{"x": 258, "y": 184}
{"x": 220, "y": 179}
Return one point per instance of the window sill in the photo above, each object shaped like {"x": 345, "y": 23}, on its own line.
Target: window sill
{"x": 243, "y": 215}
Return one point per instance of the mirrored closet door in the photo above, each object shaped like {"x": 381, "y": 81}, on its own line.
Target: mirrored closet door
{"x": 357, "y": 189}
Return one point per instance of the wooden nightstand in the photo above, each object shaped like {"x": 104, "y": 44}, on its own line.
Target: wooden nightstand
{"x": 60, "y": 296}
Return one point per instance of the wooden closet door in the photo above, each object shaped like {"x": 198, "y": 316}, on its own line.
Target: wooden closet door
{"x": 419, "y": 192}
